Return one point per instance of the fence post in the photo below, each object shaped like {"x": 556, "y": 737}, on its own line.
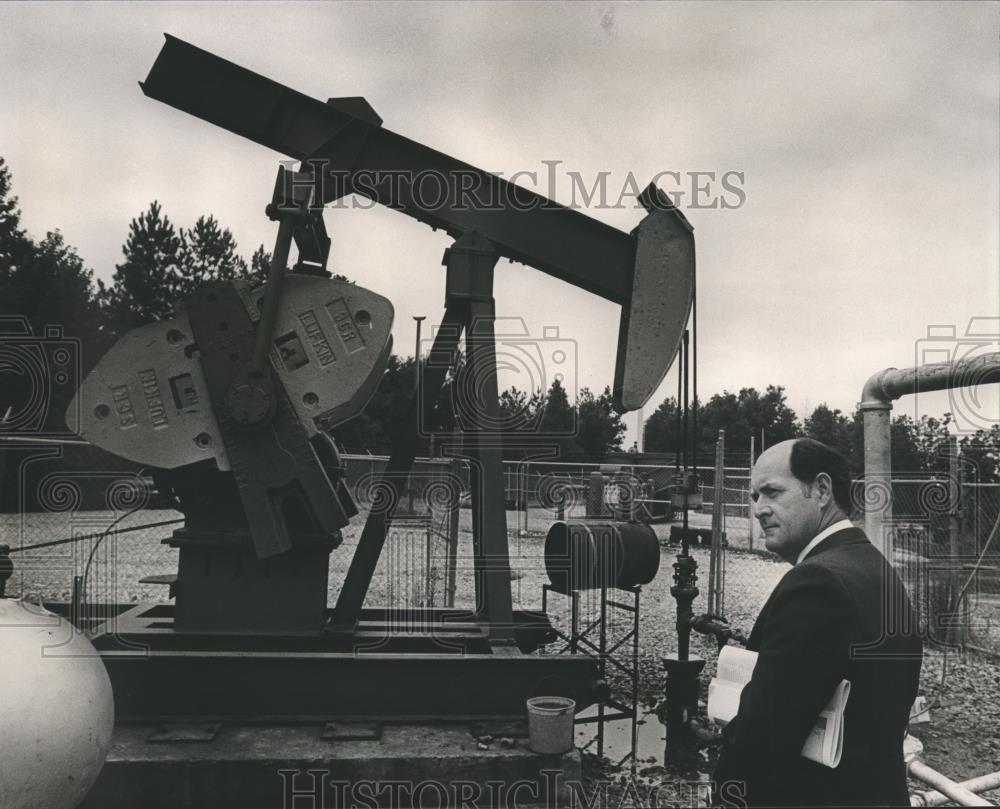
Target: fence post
{"x": 456, "y": 508}
{"x": 960, "y": 606}
{"x": 525, "y": 478}
{"x": 714, "y": 607}
{"x": 750, "y": 499}
{"x": 595, "y": 494}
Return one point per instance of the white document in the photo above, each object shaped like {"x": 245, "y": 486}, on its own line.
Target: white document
{"x": 825, "y": 742}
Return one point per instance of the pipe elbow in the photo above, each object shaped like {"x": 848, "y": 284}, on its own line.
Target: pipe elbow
{"x": 874, "y": 395}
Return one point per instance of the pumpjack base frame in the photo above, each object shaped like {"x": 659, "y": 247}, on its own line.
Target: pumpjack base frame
{"x": 415, "y": 664}
{"x": 283, "y": 766}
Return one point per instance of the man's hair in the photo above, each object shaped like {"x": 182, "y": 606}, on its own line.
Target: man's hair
{"x": 811, "y": 457}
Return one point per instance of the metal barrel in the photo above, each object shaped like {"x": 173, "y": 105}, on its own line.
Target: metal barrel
{"x": 590, "y": 555}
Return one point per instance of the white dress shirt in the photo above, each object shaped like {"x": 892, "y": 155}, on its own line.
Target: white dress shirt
{"x": 840, "y": 525}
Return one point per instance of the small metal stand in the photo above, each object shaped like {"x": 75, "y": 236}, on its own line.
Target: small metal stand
{"x": 580, "y": 640}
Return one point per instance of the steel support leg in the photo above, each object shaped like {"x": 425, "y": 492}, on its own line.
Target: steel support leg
{"x": 404, "y": 451}
{"x": 470, "y": 265}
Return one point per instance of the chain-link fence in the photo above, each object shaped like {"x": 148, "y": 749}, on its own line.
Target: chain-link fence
{"x": 544, "y": 491}
{"x": 941, "y": 538}
{"x": 75, "y": 518}
{"x": 941, "y": 533}
{"x": 942, "y": 547}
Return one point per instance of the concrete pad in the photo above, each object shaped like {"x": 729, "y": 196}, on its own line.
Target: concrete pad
{"x": 292, "y": 767}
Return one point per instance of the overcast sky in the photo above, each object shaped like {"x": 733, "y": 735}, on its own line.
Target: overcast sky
{"x": 862, "y": 139}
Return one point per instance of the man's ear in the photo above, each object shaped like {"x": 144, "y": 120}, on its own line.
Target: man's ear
{"x": 824, "y": 488}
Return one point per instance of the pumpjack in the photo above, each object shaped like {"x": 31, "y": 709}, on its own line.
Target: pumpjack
{"x": 233, "y": 399}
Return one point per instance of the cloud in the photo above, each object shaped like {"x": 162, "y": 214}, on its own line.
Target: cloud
{"x": 867, "y": 133}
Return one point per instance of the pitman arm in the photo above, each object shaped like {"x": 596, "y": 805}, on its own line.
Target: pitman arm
{"x": 649, "y": 272}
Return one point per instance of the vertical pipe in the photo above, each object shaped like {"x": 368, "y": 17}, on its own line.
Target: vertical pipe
{"x": 878, "y": 468}
{"x": 684, "y": 454}
{"x": 635, "y": 677}
{"x": 677, "y": 431}
{"x": 694, "y": 375}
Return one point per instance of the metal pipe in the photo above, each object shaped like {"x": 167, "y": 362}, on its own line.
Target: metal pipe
{"x": 948, "y": 788}
{"x": 892, "y": 383}
{"x": 272, "y": 297}
{"x": 982, "y": 783}
{"x": 877, "y": 396}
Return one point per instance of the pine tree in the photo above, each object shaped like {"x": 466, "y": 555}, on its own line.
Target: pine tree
{"x": 260, "y": 266}
{"x": 149, "y": 283}
{"x": 42, "y": 286}
{"x": 660, "y": 429}
{"x": 518, "y": 411}
{"x": 13, "y": 242}
{"x": 207, "y": 253}
{"x": 600, "y": 425}
{"x": 47, "y": 284}
{"x": 53, "y": 287}
{"x": 836, "y": 430}
{"x": 558, "y": 415}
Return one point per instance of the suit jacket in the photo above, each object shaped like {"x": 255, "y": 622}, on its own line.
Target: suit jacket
{"x": 842, "y": 612}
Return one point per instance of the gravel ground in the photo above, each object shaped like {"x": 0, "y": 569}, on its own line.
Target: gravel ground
{"x": 962, "y": 739}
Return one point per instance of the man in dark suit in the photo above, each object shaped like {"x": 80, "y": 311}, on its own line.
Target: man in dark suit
{"x": 840, "y": 613}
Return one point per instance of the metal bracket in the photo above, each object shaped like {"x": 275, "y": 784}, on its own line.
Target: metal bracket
{"x": 272, "y": 463}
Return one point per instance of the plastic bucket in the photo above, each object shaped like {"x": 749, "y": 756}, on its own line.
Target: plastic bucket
{"x": 550, "y": 724}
